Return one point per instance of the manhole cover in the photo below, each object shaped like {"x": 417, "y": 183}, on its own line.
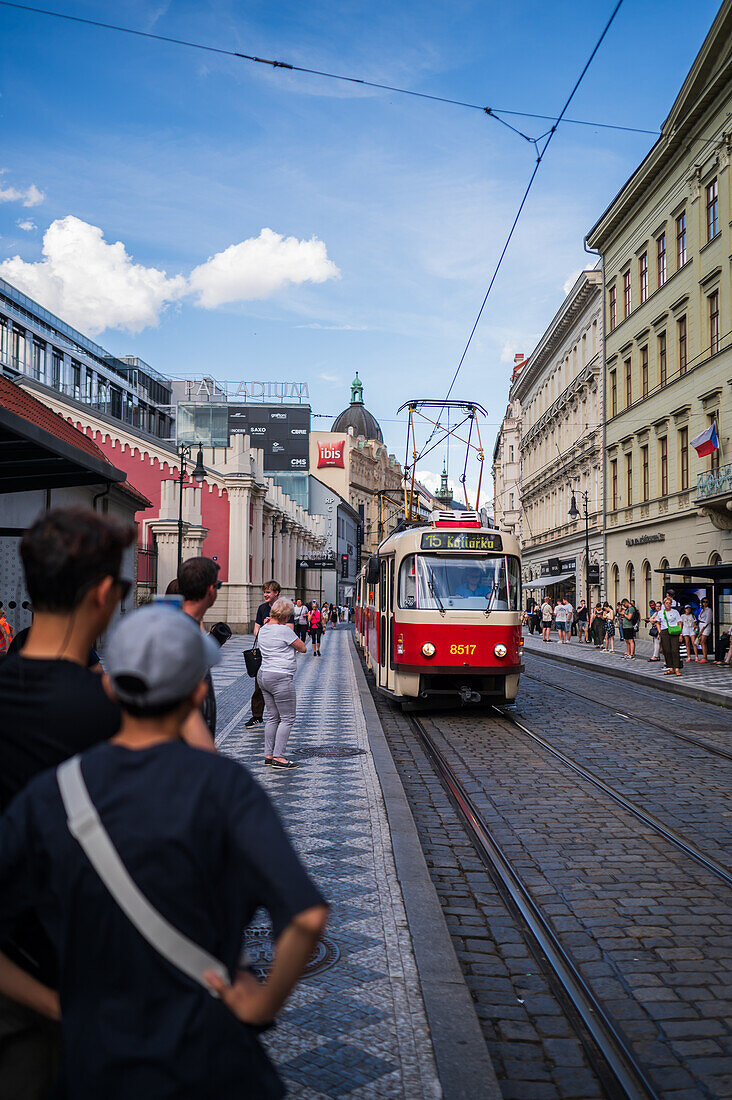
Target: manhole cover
{"x": 260, "y": 950}
{"x": 330, "y": 750}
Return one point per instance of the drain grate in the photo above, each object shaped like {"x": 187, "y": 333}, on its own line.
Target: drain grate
{"x": 336, "y": 751}
{"x": 260, "y": 950}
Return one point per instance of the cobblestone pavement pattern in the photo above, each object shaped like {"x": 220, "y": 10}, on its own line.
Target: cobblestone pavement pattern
{"x": 355, "y": 1027}
{"x": 650, "y": 930}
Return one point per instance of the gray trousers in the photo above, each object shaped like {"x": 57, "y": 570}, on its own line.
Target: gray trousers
{"x": 278, "y": 690}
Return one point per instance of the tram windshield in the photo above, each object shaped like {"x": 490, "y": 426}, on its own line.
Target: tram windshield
{"x": 441, "y": 582}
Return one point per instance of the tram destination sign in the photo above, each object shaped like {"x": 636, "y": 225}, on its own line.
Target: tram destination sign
{"x": 463, "y": 540}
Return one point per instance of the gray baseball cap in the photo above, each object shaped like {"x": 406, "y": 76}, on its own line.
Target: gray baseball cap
{"x": 157, "y": 655}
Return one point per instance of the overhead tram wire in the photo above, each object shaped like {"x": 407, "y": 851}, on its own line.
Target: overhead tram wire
{"x": 492, "y": 112}
{"x": 529, "y": 185}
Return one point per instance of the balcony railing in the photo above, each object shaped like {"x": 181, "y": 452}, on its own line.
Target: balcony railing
{"x": 714, "y": 483}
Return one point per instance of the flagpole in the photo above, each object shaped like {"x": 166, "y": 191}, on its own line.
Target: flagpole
{"x": 719, "y": 437}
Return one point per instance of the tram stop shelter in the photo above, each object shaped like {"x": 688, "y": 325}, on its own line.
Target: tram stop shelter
{"x": 698, "y": 582}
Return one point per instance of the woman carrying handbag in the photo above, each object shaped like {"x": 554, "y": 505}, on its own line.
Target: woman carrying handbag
{"x": 670, "y": 621}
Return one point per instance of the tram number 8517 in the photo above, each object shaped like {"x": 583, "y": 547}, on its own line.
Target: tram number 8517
{"x": 467, "y": 650}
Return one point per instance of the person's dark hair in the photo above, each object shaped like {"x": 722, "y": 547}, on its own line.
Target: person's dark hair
{"x": 135, "y": 684}
{"x": 273, "y": 586}
{"x": 173, "y": 588}
{"x": 196, "y": 576}
{"x": 67, "y": 551}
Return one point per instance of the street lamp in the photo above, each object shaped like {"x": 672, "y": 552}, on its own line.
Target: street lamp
{"x": 283, "y": 531}
{"x": 198, "y": 474}
{"x": 574, "y": 513}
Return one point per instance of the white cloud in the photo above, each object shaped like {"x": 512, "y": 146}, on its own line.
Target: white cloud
{"x": 91, "y": 284}
{"x": 258, "y": 267}
{"x": 571, "y": 280}
{"x": 334, "y": 328}
{"x": 330, "y": 377}
{"x": 26, "y": 225}
{"x": 96, "y": 285}
{"x": 31, "y": 196}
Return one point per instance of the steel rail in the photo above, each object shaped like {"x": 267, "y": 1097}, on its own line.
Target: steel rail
{"x": 629, "y": 1077}
{"x": 698, "y": 741}
{"x": 665, "y": 831}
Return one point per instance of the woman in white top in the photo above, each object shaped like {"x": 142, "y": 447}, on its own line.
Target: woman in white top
{"x": 688, "y": 632}
{"x": 277, "y": 643}
{"x": 705, "y": 629}
{"x": 669, "y": 617}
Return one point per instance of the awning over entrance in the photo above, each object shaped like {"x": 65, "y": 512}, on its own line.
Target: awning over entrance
{"x": 547, "y": 582}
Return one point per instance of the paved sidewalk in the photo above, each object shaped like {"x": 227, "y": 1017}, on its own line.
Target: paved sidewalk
{"x": 356, "y": 1026}
{"x": 708, "y": 682}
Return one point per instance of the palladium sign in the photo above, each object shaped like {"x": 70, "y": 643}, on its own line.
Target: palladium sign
{"x": 209, "y": 389}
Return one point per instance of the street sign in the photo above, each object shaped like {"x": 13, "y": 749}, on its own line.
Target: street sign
{"x": 316, "y": 563}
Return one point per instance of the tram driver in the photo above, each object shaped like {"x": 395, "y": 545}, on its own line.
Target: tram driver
{"x": 474, "y": 584}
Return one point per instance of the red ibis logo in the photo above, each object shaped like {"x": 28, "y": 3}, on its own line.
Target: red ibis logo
{"x": 331, "y": 454}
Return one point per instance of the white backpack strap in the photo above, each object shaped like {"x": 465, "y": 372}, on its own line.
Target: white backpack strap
{"x": 85, "y": 825}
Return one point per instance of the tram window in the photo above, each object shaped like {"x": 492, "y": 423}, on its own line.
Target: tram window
{"x": 439, "y": 582}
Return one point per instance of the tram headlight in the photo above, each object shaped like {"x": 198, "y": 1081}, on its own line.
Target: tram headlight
{"x": 428, "y": 649}
{"x": 500, "y": 650}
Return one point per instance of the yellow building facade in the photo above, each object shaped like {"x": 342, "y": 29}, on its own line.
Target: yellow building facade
{"x": 666, "y": 246}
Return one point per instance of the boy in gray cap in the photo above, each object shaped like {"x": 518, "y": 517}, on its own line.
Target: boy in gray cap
{"x": 202, "y": 847}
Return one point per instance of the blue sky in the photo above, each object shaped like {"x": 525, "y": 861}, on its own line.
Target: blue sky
{"x": 179, "y": 155}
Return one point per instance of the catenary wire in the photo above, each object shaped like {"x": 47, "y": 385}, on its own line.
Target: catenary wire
{"x": 529, "y": 185}
{"x": 492, "y": 112}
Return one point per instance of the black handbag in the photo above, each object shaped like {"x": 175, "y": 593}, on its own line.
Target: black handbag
{"x": 253, "y": 660}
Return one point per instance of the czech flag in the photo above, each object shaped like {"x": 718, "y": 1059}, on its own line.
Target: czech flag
{"x": 707, "y": 441}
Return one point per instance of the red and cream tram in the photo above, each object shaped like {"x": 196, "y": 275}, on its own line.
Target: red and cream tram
{"x": 439, "y": 612}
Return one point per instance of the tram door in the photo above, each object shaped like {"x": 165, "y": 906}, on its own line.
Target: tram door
{"x": 383, "y": 620}
{"x": 390, "y": 675}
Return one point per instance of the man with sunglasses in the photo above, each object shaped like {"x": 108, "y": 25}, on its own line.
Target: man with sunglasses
{"x": 53, "y": 706}
{"x": 199, "y": 586}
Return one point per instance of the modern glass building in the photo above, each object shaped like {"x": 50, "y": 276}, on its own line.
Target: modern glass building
{"x": 38, "y": 345}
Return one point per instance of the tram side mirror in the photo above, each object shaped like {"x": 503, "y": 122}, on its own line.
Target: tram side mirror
{"x": 372, "y": 569}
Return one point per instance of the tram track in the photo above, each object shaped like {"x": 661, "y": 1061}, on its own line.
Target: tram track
{"x": 698, "y": 742}
{"x": 608, "y": 1050}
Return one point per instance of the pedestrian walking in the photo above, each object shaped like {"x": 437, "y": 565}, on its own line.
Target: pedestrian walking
{"x": 597, "y": 627}
{"x": 547, "y": 615}
{"x": 199, "y": 586}
{"x": 654, "y": 628}
{"x": 705, "y": 630}
{"x": 301, "y": 620}
{"x": 689, "y": 633}
{"x": 198, "y": 838}
{"x": 561, "y": 616}
{"x": 671, "y": 627}
{"x": 278, "y": 644}
{"x": 609, "y": 616}
{"x": 271, "y": 592}
{"x": 315, "y": 626}
{"x": 583, "y": 625}
{"x": 6, "y": 634}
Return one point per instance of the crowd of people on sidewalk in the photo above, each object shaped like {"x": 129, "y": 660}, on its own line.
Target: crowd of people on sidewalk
{"x": 132, "y": 855}
{"x": 678, "y": 632}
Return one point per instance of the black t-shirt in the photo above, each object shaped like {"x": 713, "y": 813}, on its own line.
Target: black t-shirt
{"x": 581, "y": 614}
{"x": 263, "y": 612}
{"x": 50, "y": 711}
{"x": 204, "y": 844}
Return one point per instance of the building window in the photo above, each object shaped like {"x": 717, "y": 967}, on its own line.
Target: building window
{"x": 681, "y": 330}
{"x": 39, "y": 361}
{"x": 643, "y": 277}
{"x": 684, "y": 457}
{"x": 661, "y": 243}
{"x": 714, "y": 323}
{"x": 629, "y": 479}
{"x": 613, "y": 393}
{"x": 681, "y": 240}
{"x": 626, "y": 292}
{"x": 510, "y": 453}
{"x": 614, "y": 483}
{"x": 714, "y": 456}
{"x": 628, "y": 383}
{"x": 644, "y": 467}
{"x": 663, "y": 463}
{"x": 644, "y": 371}
{"x": 613, "y": 307}
{"x": 510, "y": 501}
{"x": 57, "y": 363}
{"x": 712, "y": 209}
{"x": 76, "y": 378}
{"x": 662, "y": 358}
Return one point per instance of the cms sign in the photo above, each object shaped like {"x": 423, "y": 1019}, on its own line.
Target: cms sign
{"x": 331, "y": 454}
